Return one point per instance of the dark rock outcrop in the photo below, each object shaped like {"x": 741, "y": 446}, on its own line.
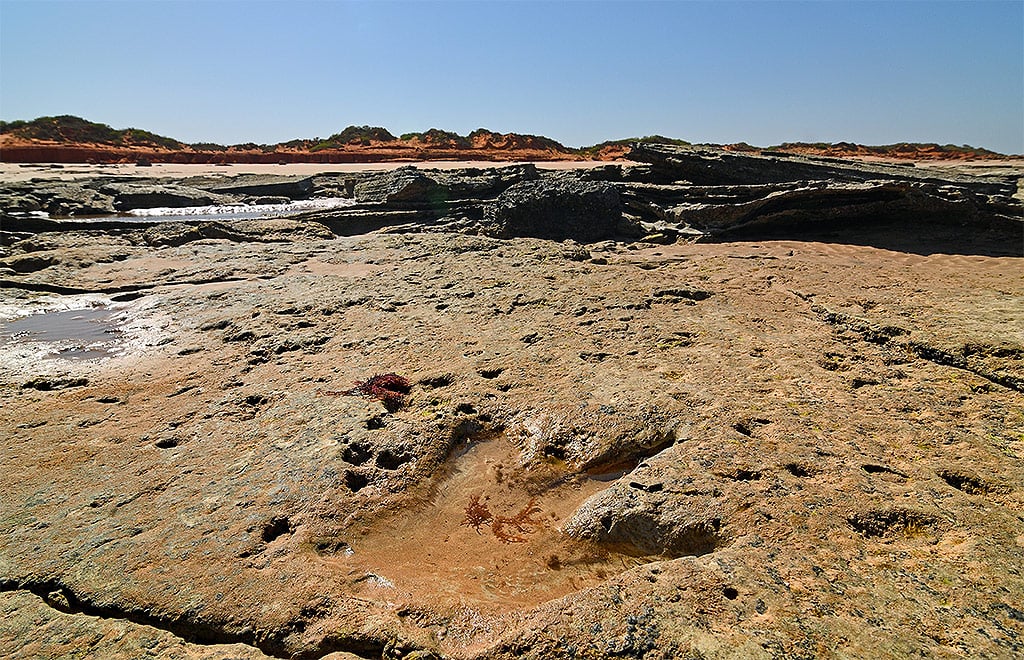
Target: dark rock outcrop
{"x": 129, "y": 196}
{"x": 406, "y": 185}
{"x": 719, "y": 194}
{"x": 699, "y": 165}
{"x": 696, "y": 193}
{"x": 558, "y": 209}
{"x": 261, "y": 231}
{"x": 263, "y": 186}
{"x": 56, "y": 198}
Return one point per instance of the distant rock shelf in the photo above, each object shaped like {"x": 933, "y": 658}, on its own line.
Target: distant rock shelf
{"x": 671, "y": 192}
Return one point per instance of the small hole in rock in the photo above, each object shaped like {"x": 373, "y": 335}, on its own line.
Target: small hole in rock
{"x": 276, "y": 528}
{"x": 751, "y": 423}
{"x": 465, "y": 409}
{"x": 330, "y": 546}
{"x": 374, "y": 424}
{"x": 966, "y": 483}
{"x": 744, "y": 475}
{"x": 166, "y": 443}
{"x": 466, "y": 429}
{"x": 355, "y": 481}
{"x": 883, "y": 522}
{"x": 444, "y": 380}
{"x": 879, "y": 469}
{"x": 356, "y": 454}
{"x": 798, "y": 470}
{"x": 730, "y": 593}
{"x": 390, "y": 461}
{"x": 649, "y": 488}
{"x": 554, "y": 451}
{"x": 490, "y": 373}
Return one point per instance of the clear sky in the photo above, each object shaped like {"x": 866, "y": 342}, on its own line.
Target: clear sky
{"x": 578, "y": 72}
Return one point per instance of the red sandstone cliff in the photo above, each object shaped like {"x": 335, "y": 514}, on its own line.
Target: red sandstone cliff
{"x": 68, "y": 139}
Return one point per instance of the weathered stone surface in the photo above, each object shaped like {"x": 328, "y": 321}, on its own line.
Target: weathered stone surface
{"x": 263, "y": 186}
{"x": 715, "y": 193}
{"x": 770, "y": 448}
{"x": 701, "y": 165}
{"x": 593, "y": 438}
{"x": 405, "y": 185}
{"x": 558, "y": 208}
{"x": 637, "y": 522}
{"x": 14, "y": 202}
{"x": 484, "y": 183}
{"x": 128, "y": 196}
{"x": 48, "y": 626}
{"x": 683, "y": 193}
{"x": 72, "y": 199}
{"x": 827, "y": 205}
{"x": 267, "y": 231}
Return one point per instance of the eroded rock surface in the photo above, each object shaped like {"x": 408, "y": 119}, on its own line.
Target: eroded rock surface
{"x": 617, "y": 448}
{"x": 559, "y": 209}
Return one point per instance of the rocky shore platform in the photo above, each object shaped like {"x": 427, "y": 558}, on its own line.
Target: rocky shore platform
{"x": 707, "y": 405}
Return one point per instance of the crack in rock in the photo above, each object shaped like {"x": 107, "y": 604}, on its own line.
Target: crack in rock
{"x": 273, "y": 643}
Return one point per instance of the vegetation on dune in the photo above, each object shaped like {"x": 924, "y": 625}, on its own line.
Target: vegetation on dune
{"x": 519, "y": 140}
{"x": 482, "y": 138}
{"x": 300, "y": 144}
{"x": 71, "y": 129}
{"x": 742, "y": 146}
{"x": 886, "y": 149}
{"x": 252, "y": 146}
{"x": 207, "y": 146}
{"x": 361, "y": 135}
{"x": 68, "y": 128}
{"x": 436, "y": 136}
{"x": 647, "y": 139}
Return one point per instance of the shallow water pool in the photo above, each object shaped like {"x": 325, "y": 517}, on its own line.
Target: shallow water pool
{"x": 75, "y": 334}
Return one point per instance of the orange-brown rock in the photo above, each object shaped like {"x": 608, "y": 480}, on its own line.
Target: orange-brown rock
{"x": 806, "y": 445}
{"x": 503, "y": 148}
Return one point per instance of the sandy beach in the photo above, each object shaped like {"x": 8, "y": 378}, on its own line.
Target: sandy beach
{"x": 15, "y": 172}
{"x": 62, "y": 171}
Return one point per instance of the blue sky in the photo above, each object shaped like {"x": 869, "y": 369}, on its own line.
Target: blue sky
{"x": 579, "y": 72}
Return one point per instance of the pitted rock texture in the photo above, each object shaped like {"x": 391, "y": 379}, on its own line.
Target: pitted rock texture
{"x": 767, "y": 449}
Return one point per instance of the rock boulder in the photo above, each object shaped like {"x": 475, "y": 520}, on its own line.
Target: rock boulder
{"x": 403, "y": 186}
{"x": 559, "y": 208}
{"x": 128, "y": 196}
